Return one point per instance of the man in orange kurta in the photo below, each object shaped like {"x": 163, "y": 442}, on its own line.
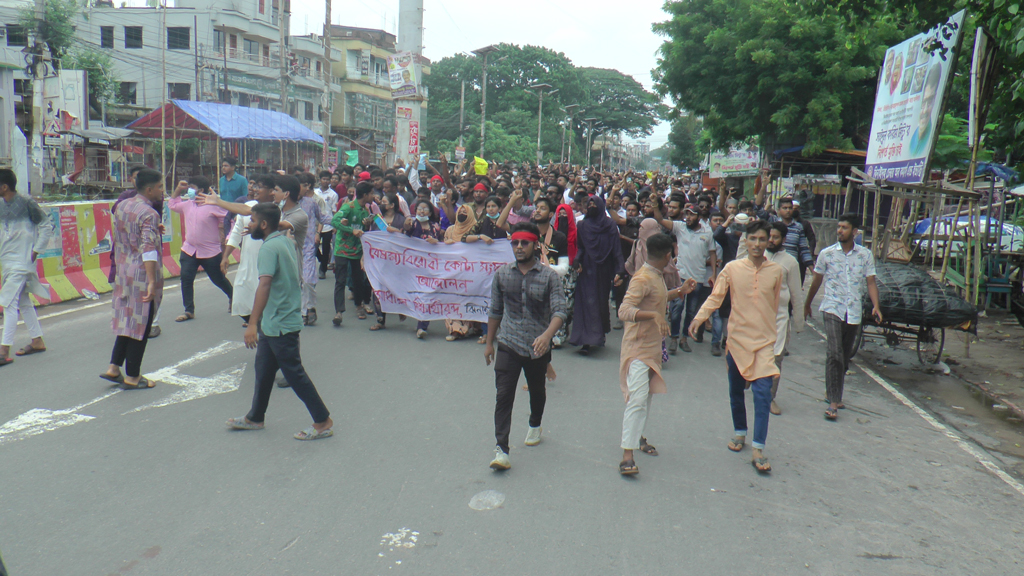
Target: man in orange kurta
{"x": 643, "y": 313}
{"x": 755, "y": 283}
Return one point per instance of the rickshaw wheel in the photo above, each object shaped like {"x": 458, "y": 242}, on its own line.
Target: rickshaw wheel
{"x": 930, "y": 342}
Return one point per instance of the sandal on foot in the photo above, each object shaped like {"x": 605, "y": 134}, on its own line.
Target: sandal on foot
{"x": 144, "y": 384}
{"x": 6, "y": 361}
{"x": 244, "y": 424}
{"x": 361, "y": 314}
{"x": 377, "y": 326}
{"x": 628, "y": 468}
{"x": 311, "y": 433}
{"x": 647, "y": 448}
{"x": 736, "y": 444}
{"x": 119, "y": 379}
{"x": 185, "y": 317}
{"x": 831, "y": 414}
{"x": 841, "y": 406}
{"x": 761, "y": 465}
{"x": 29, "y": 350}
{"x": 481, "y": 340}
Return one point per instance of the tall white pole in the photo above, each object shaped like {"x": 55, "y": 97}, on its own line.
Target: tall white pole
{"x": 163, "y": 103}
{"x": 38, "y": 79}
{"x": 462, "y": 111}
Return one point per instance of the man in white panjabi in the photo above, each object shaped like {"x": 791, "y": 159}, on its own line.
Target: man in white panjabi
{"x": 246, "y": 276}
{"x": 25, "y": 230}
{"x": 791, "y": 293}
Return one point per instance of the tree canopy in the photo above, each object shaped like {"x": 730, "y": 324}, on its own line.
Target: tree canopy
{"x": 619, "y": 102}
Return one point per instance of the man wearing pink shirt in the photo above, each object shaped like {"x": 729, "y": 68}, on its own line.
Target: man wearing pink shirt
{"x": 203, "y": 245}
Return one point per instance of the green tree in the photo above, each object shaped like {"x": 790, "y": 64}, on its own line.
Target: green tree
{"x": 622, "y": 103}
{"x": 56, "y": 30}
{"x": 683, "y": 141}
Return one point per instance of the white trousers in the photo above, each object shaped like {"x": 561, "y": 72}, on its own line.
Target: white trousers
{"x": 20, "y": 306}
{"x": 308, "y": 297}
{"x": 634, "y": 419}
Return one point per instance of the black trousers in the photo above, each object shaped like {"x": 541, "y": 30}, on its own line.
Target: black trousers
{"x": 128, "y": 352}
{"x": 190, "y": 267}
{"x": 344, "y": 268}
{"x": 840, "y": 338}
{"x": 325, "y": 251}
{"x": 507, "y": 366}
{"x": 275, "y": 353}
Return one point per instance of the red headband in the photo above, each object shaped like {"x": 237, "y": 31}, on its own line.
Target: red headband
{"x": 480, "y": 187}
{"x": 523, "y": 235}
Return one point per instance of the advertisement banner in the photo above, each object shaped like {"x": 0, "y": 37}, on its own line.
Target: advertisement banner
{"x": 402, "y": 73}
{"x": 460, "y": 152}
{"x": 908, "y": 103}
{"x": 741, "y": 161}
{"x": 364, "y": 63}
{"x": 403, "y": 112}
{"x": 432, "y": 281}
{"x": 414, "y": 138}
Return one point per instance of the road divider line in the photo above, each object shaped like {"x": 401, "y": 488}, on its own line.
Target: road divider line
{"x": 957, "y": 439}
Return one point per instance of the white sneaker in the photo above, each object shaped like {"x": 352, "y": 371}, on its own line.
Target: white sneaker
{"x": 421, "y": 334}
{"x": 533, "y": 436}
{"x": 500, "y": 461}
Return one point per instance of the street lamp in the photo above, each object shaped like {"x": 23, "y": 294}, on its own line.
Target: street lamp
{"x": 567, "y": 122}
{"x": 482, "y": 53}
{"x": 590, "y": 131}
{"x": 541, "y": 93}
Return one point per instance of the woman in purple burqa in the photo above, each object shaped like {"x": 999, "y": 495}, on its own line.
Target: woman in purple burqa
{"x": 600, "y": 264}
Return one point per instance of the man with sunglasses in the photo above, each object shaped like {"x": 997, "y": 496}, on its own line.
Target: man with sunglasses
{"x": 528, "y": 304}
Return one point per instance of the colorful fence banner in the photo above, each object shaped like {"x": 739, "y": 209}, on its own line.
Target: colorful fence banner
{"x": 433, "y": 281}
{"x": 402, "y": 74}
{"x": 908, "y": 103}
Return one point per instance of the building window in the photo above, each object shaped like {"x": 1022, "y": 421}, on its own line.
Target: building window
{"x": 178, "y": 90}
{"x": 263, "y": 6}
{"x": 16, "y": 35}
{"x": 266, "y": 54}
{"x": 22, "y": 87}
{"x": 106, "y": 36}
{"x": 218, "y": 41}
{"x": 133, "y": 36}
{"x": 178, "y": 38}
{"x": 128, "y": 93}
{"x": 380, "y": 72}
{"x": 308, "y": 110}
{"x": 251, "y": 47}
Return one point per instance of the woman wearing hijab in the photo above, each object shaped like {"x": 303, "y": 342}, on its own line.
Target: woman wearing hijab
{"x": 564, "y": 221}
{"x": 465, "y": 229}
{"x": 599, "y": 264}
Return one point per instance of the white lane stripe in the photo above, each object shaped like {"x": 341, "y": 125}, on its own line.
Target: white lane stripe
{"x": 955, "y": 437}
{"x": 80, "y": 308}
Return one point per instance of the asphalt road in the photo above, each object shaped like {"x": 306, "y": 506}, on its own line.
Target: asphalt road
{"x": 100, "y": 488}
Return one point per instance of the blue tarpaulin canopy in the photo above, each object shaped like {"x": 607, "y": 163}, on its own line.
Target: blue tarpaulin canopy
{"x": 209, "y": 120}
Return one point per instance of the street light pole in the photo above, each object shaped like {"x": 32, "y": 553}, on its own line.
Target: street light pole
{"x": 462, "y": 111}
{"x": 540, "y": 88}
{"x": 483, "y": 52}
{"x": 590, "y": 132}
{"x": 565, "y": 123}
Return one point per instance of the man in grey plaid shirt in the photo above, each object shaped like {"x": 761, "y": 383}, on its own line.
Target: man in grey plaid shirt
{"x": 528, "y": 304}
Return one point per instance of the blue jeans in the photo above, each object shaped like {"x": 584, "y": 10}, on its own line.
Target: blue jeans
{"x": 716, "y": 328}
{"x": 275, "y": 353}
{"x": 691, "y": 303}
{"x": 762, "y": 390}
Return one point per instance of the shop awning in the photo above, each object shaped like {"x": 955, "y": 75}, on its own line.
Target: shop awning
{"x": 209, "y": 120}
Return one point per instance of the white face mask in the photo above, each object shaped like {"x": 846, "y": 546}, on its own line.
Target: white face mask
{"x": 423, "y": 218}
{"x": 494, "y": 216}
{"x": 191, "y": 194}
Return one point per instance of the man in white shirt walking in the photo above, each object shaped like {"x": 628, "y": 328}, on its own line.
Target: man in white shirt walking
{"x": 791, "y": 293}
{"x": 326, "y": 246}
{"x": 697, "y": 259}
{"x": 846, "y": 269}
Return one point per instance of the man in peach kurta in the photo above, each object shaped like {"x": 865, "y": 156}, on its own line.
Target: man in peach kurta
{"x": 643, "y": 313}
{"x": 755, "y": 283}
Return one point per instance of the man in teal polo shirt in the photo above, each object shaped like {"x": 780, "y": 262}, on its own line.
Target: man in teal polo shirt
{"x": 233, "y": 186}
{"x": 274, "y": 327}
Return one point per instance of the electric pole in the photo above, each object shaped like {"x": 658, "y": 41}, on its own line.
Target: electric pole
{"x": 462, "y": 111}
{"x": 40, "y": 56}
{"x": 483, "y": 52}
{"x": 540, "y": 88}
{"x": 590, "y": 131}
{"x": 326, "y": 112}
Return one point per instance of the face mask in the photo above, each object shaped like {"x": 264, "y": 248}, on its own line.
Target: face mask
{"x": 281, "y": 204}
{"x": 494, "y": 216}
{"x": 191, "y": 194}
{"x": 423, "y": 219}
{"x": 462, "y": 217}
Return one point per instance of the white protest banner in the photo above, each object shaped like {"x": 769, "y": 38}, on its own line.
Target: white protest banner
{"x": 908, "y": 103}
{"x": 432, "y": 281}
{"x": 740, "y": 161}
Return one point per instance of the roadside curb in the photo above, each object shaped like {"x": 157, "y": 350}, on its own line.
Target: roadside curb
{"x": 1017, "y": 411}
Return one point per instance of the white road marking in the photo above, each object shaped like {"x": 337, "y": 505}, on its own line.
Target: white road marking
{"x": 197, "y": 387}
{"x": 40, "y": 420}
{"x": 957, "y": 439}
{"x": 86, "y": 307}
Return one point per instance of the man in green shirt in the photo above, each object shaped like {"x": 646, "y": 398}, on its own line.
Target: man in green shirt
{"x": 274, "y": 327}
{"x": 349, "y": 222}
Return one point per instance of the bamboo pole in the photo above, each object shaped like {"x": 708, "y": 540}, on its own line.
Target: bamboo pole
{"x": 875, "y": 244}
{"x": 949, "y": 241}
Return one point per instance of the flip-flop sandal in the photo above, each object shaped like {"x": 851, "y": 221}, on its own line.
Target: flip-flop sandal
{"x": 243, "y": 424}
{"x": 6, "y": 361}
{"x": 29, "y": 350}
{"x": 312, "y": 434}
{"x": 628, "y": 468}
{"x": 761, "y": 465}
{"x": 377, "y": 326}
{"x": 185, "y": 317}
{"x": 736, "y": 446}
{"x": 647, "y": 448}
{"x": 361, "y": 314}
{"x": 144, "y": 384}
{"x": 831, "y": 414}
{"x": 119, "y": 379}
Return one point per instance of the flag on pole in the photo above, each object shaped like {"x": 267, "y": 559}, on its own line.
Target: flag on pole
{"x": 353, "y": 157}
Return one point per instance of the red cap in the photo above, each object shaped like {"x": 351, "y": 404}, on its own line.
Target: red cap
{"x": 364, "y": 176}
{"x": 691, "y": 208}
{"x": 480, "y": 186}
{"x": 436, "y": 177}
